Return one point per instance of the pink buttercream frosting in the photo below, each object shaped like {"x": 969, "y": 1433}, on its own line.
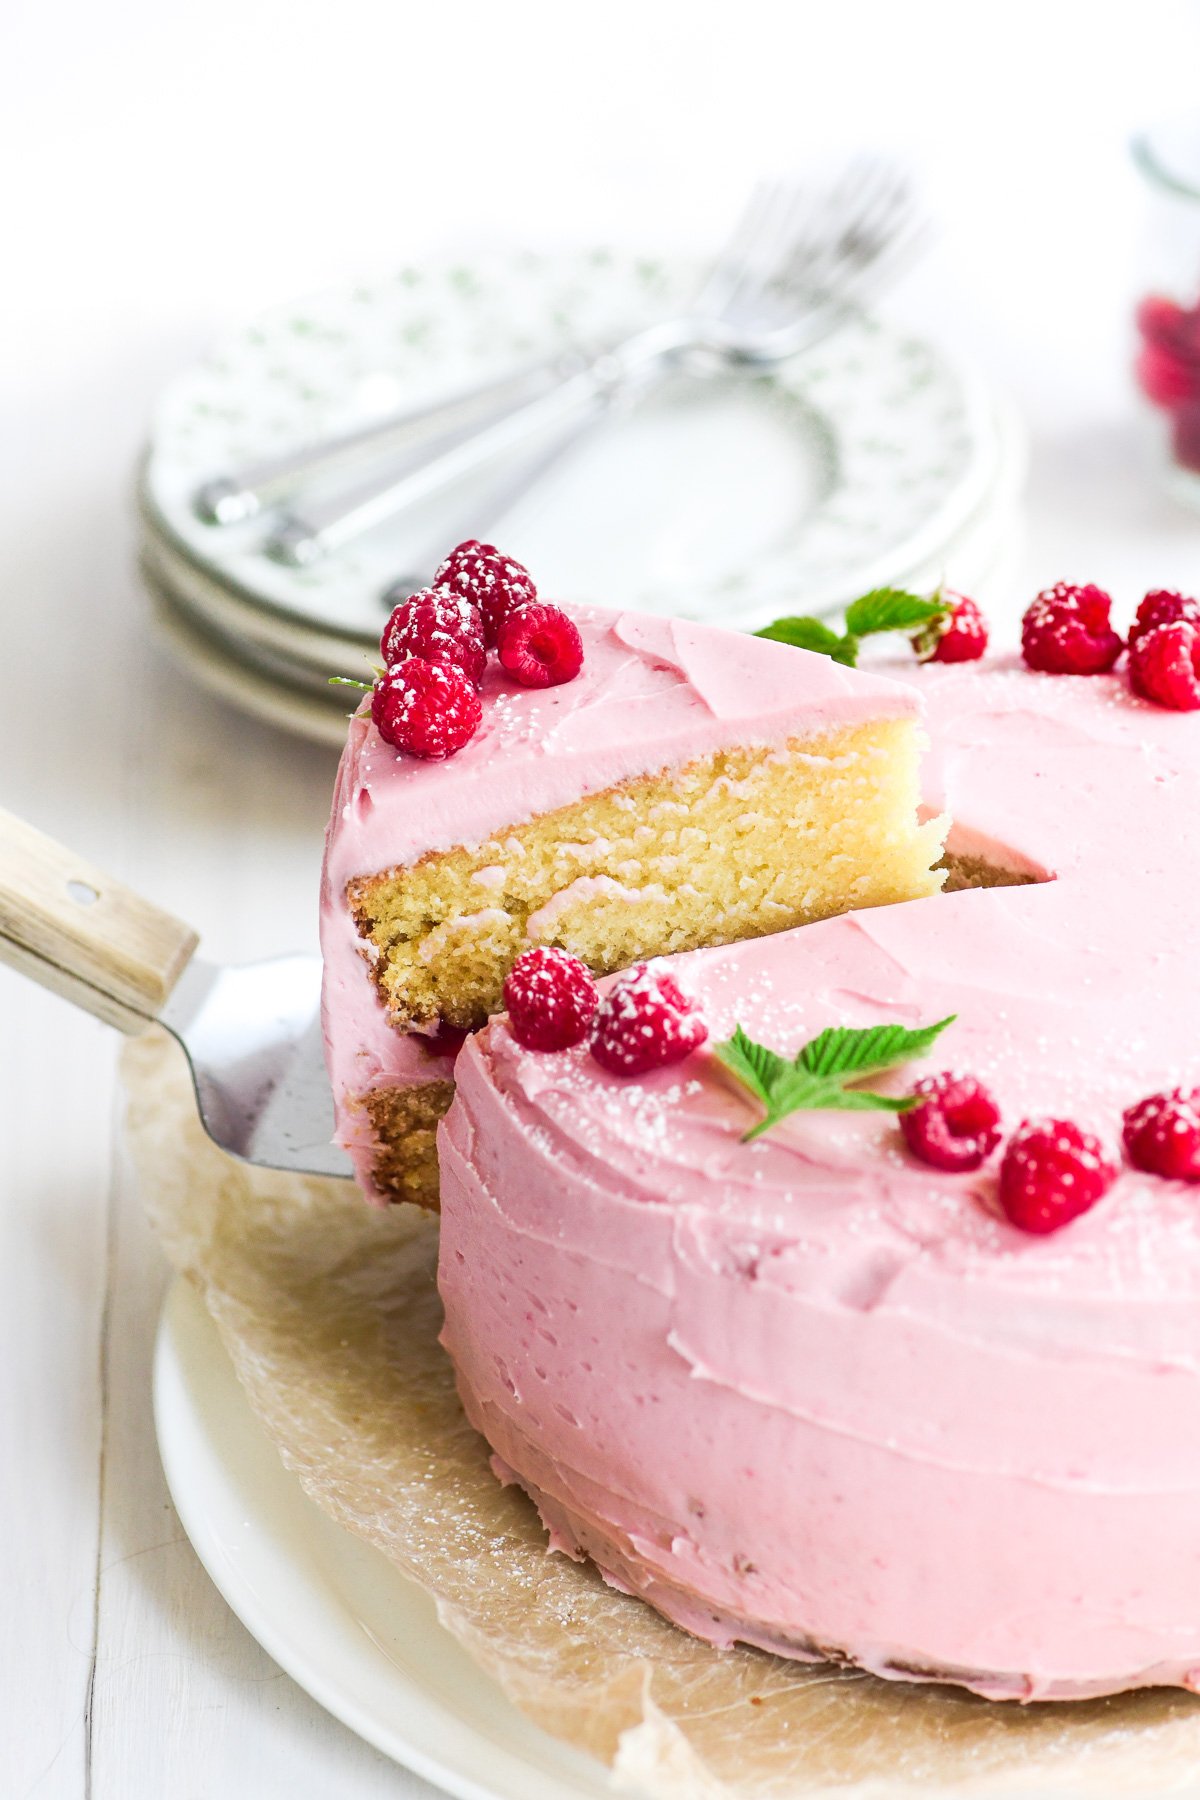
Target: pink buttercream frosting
{"x": 653, "y": 694}
{"x": 809, "y": 1392}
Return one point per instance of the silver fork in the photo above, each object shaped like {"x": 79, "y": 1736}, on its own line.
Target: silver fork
{"x": 230, "y": 499}
{"x": 801, "y": 257}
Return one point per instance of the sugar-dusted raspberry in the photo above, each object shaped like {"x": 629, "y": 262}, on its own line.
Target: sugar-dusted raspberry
{"x": 493, "y": 582}
{"x": 1162, "y": 1134}
{"x": 551, "y": 999}
{"x": 1067, "y": 631}
{"x": 428, "y": 709}
{"x": 1164, "y": 666}
{"x": 644, "y": 1022}
{"x": 1051, "y": 1172}
{"x": 540, "y": 645}
{"x": 960, "y": 635}
{"x": 1163, "y": 606}
{"x": 441, "y": 627}
{"x": 955, "y": 1123}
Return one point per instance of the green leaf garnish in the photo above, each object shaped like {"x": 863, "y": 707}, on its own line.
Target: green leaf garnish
{"x": 890, "y": 609}
{"x": 756, "y": 1067}
{"x": 367, "y": 687}
{"x": 883, "y": 609}
{"x": 804, "y": 633}
{"x": 818, "y": 1078}
{"x": 849, "y": 1050}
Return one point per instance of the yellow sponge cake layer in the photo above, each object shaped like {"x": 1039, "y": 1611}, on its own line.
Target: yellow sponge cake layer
{"x": 737, "y": 844}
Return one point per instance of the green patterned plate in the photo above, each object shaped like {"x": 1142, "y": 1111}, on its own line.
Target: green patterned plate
{"x": 730, "y": 499}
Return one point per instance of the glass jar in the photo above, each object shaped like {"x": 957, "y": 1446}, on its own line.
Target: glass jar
{"x": 1168, "y": 313}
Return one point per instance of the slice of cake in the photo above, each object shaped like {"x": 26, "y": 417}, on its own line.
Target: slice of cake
{"x": 926, "y": 1397}
{"x": 690, "y": 786}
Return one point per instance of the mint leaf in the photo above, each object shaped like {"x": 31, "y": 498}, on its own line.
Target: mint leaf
{"x": 864, "y": 1100}
{"x": 890, "y": 609}
{"x": 884, "y": 609}
{"x": 805, "y": 633}
{"x": 755, "y": 1066}
{"x": 819, "y": 1077}
{"x": 847, "y": 1050}
{"x": 349, "y": 681}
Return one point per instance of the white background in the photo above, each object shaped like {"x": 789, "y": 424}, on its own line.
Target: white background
{"x": 166, "y": 168}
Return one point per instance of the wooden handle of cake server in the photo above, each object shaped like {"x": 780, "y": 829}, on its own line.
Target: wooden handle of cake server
{"x": 84, "y": 935}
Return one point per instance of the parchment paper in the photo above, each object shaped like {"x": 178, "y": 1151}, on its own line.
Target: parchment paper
{"x": 330, "y": 1313}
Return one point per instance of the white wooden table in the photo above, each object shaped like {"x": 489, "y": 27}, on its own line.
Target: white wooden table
{"x": 177, "y": 166}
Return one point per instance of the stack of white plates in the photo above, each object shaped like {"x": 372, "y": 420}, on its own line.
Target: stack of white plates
{"x": 872, "y": 459}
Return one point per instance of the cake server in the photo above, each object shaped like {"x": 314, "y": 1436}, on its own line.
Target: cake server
{"x": 251, "y": 1034}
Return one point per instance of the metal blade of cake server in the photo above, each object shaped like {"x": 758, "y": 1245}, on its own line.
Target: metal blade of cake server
{"x": 252, "y": 1035}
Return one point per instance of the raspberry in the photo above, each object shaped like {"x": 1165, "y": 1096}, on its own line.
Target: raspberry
{"x": 441, "y": 627}
{"x": 488, "y": 579}
{"x": 1165, "y": 378}
{"x": 1185, "y": 435}
{"x": 955, "y": 1123}
{"x": 1168, "y": 371}
{"x": 429, "y": 709}
{"x": 1162, "y": 606}
{"x": 1051, "y": 1172}
{"x": 1066, "y": 631}
{"x": 551, "y": 999}
{"x": 1162, "y": 1134}
{"x": 645, "y": 1022}
{"x": 1164, "y": 666}
{"x": 961, "y": 635}
{"x": 1166, "y": 323}
{"x": 540, "y": 645}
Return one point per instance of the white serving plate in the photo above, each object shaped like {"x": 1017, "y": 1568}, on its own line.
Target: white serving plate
{"x": 334, "y": 1614}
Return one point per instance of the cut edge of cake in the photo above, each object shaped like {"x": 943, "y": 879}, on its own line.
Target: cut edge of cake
{"x": 785, "y": 789}
{"x": 744, "y": 842}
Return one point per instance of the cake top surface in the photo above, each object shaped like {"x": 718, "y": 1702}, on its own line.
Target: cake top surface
{"x": 653, "y": 693}
{"x": 1075, "y": 996}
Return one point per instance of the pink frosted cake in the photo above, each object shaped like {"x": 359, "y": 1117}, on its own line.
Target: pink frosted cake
{"x": 687, "y": 786}
{"x": 797, "y": 1277}
{"x": 811, "y": 1391}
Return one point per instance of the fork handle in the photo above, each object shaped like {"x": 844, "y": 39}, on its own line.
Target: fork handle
{"x": 241, "y": 493}
{"x": 84, "y": 935}
{"x": 312, "y": 529}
